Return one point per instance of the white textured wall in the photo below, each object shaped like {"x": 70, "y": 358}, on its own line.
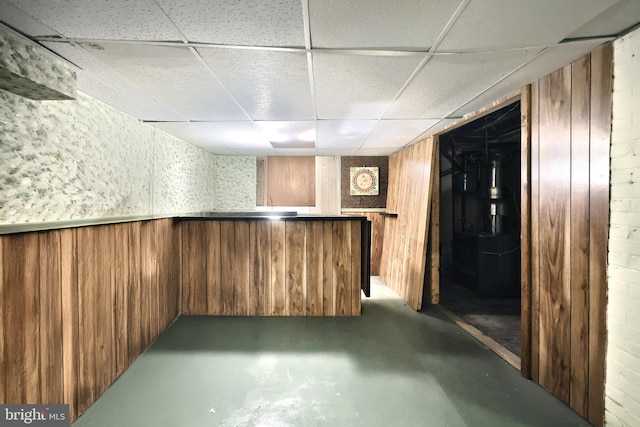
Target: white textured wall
{"x": 622, "y": 405}
{"x": 65, "y": 160}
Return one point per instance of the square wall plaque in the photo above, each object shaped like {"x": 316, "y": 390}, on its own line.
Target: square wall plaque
{"x": 364, "y": 181}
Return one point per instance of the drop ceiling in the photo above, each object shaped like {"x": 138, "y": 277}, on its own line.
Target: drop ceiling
{"x": 312, "y": 77}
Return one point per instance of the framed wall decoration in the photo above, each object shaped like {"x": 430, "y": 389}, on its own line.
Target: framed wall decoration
{"x": 364, "y": 181}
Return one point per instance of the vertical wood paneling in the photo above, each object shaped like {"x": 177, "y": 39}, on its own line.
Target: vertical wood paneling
{"x": 227, "y": 242}
{"x": 579, "y": 256}
{"x": 134, "y": 314}
{"x": 341, "y": 268}
{"x": 121, "y": 309}
{"x": 296, "y": 271}
{"x": 74, "y": 306}
{"x": 273, "y": 268}
{"x": 327, "y": 269}
{"x": 525, "y": 234}
{"x": 50, "y": 346}
{"x": 403, "y": 263}
{"x": 88, "y": 278}
{"x": 291, "y": 181}
{"x": 278, "y": 268}
{"x": 213, "y": 267}
{"x": 377, "y": 240}
{"x": 434, "y": 231}
{"x": 148, "y": 280}
{"x": 22, "y": 360}
{"x": 241, "y": 268}
{"x": 535, "y": 232}
{"x": 601, "y": 100}
{"x": 314, "y": 268}
{"x": 69, "y": 307}
{"x": 260, "y": 275}
{"x": 356, "y": 266}
{"x": 569, "y": 173}
{"x": 555, "y": 229}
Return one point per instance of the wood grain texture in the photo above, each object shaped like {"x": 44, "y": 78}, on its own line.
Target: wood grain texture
{"x": 377, "y": 237}
{"x": 433, "y": 271}
{"x": 69, "y": 307}
{"x": 555, "y": 229}
{"x": 356, "y": 266}
{"x": 569, "y": 173}
{"x": 601, "y": 105}
{"x": 75, "y": 301}
{"x": 227, "y": 243}
{"x": 291, "y": 181}
{"x": 580, "y": 118}
{"x": 51, "y": 350}
{"x": 341, "y": 268}
{"x": 403, "y": 263}
{"x": 260, "y": 274}
{"x": 535, "y": 232}
{"x": 88, "y": 277}
{"x": 278, "y": 269}
{"x": 525, "y": 231}
{"x": 314, "y": 268}
{"x": 213, "y": 251}
{"x": 274, "y": 268}
{"x": 327, "y": 269}
{"x": 240, "y": 272}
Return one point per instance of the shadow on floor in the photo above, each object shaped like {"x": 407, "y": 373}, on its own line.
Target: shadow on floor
{"x": 498, "y": 318}
{"x": 390, "y": 367}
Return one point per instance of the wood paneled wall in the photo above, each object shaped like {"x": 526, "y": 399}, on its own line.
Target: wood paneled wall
{"x": 272, "y": 268}
{"x": 377, "y": 237}
{"x": 569, "y": 173}
{"x": 291, "y": 181}
{"x": 404, "y": 253}
{"x": 78, "y": 305}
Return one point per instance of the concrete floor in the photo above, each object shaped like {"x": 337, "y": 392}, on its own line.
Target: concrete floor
{"x": 390, "y": 367}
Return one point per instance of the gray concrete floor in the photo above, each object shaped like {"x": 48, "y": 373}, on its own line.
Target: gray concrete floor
{"x": 391, "y": 367}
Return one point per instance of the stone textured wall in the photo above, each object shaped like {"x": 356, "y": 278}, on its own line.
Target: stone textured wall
{"x": 79, "y": 159}
{"x": 622, "y": 386}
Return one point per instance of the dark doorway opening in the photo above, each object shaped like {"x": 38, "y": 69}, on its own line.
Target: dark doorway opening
{"x": 480, "y": 224}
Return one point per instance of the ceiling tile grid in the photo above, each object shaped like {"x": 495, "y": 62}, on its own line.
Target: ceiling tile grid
{"x": 359, "y": 87}
{"x": 380, "y": 24}
{"x": 233, "y": 22}
{"x": 173, "y": 75}
{"x": 363, "y": 77}
{"x": 100, "y": 19}
{"x": 504, "y": 24}
{"x": 279, "y": 86}
{"x": 447, "y": 81}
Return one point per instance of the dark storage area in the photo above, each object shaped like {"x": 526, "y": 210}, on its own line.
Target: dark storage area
{"x": 480, "y": 224}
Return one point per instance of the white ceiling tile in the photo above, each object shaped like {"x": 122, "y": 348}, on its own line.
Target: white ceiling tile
{"x": 551, "y": 60}
{"x": 382, "y": 24}
{"x": 224, "y": 136}
{"x": 619, "y": 17}
{"x": 397, "y": 133}
{"x": 295, "y": 152}
{"x": 337, "y": 151}
{"x": 17, "y": 18}
{"x": 99, "y": 81}
{"x": 233, "y": 22}
{"x": 343, "y": 133}
{"x": 433, "y": 130}
{"x": 174, "y": 76}
{"x": 270, "y": 85}
{"x": 282, "y": 134}
{"x": 99, "y": 19}
{"x": 359, "y": 87}
{"x": 497, "y": 24}
{"x": 376, "y": 151}
{"x": 448, "y": 81}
